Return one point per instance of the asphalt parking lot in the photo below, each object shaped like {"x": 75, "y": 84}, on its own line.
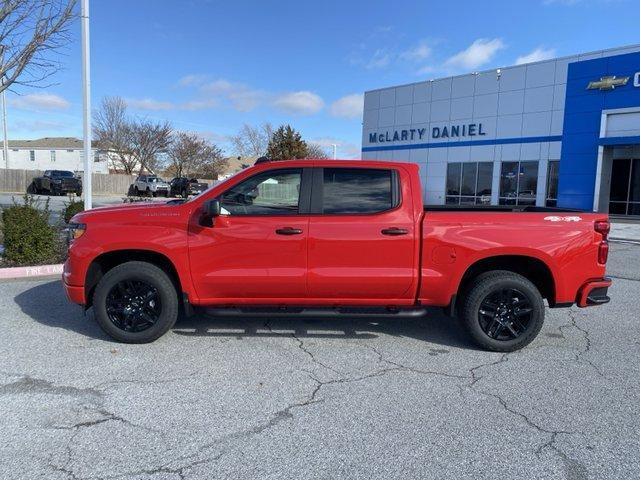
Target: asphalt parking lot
{"x": 243, "y": 398}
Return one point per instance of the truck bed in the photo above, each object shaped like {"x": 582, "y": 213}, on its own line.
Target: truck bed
{"x": 496, "y": 208}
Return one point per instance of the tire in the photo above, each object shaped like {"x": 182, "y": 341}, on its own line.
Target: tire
{"x": 141, "y": 274}
{"x": 503, "y": 328}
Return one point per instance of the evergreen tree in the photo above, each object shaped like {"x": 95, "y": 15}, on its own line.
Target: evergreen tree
{"x": 286, "y": 144}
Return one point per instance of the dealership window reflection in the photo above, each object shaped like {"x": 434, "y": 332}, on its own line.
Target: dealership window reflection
{"x": 469, "y": 183}
{"x": 518, "y": 183}
{"x": 552, "y": 183}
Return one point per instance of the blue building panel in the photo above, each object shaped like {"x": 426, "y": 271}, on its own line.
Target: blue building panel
{"x": 584, "y": 106}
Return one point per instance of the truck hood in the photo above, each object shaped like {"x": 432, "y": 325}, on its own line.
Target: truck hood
{"x": 129, "y": 210}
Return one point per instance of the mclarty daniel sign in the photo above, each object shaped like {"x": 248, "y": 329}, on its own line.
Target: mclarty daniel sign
{"x": 464, "y": 130}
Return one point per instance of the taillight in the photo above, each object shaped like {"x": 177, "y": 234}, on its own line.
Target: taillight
{"x": 603, "y": 227}
{"x": 603, "y": 252}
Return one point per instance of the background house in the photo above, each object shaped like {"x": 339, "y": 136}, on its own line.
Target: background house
{"x": 51, "y": 153}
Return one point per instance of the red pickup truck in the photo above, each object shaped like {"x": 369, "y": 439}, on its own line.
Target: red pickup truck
{"x": 321, "y": 237}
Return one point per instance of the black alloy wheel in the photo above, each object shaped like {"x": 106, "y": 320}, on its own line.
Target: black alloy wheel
{"x": 136, "y": 302}
{"x": 133, "y": 305}
{"x": 505, "y": 314}
{"x": 502, "y": 311}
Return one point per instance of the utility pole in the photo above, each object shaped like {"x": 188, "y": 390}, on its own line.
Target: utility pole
{"x": 86, "y": 104}
{"x": 5, "y": 144}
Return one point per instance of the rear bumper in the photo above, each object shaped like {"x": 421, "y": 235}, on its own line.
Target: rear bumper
{"x": 594, "y": 293}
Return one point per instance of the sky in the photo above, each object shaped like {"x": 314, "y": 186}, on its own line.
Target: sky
{"x": 210, "y": 66}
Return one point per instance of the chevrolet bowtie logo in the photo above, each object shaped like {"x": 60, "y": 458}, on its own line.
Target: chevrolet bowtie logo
{"x": 608, "y": 83}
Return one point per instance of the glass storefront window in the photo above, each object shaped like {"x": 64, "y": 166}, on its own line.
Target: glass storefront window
{"x": 518, "y": 183}
{"x": 469, "y": 183}
{"x": 624, "y": 194}
{"x": 552, "y": 183}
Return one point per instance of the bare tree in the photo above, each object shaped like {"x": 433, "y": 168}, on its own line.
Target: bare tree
{"x": 315, "y": 150}
{"x": 191, "y": 156}
{"x": 112, "y": 133}
{"x": 147, "y": 140}
{"x": 252, "y": 141}
{"x": 30, "y": 30}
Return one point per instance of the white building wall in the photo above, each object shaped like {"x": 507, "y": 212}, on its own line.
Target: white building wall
{"x": 510, "y": 103}
{"x": 64, "y": 159}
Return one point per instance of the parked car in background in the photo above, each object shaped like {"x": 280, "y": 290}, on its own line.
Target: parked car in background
{"x": 56, "y": 182}
{"x": 328, "y": 237}
{"x": 183, "y": 187}
{"x": 150, "y": 185}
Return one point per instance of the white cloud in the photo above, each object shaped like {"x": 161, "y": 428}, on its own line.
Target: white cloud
{"x": 345, "y": 149}
{"x": 300, "y": 103}
{"x": 242, "y": 97}
{"x": 562, "y": 2}
{"x": 192, "y": 80}
{"x": 349, "y": 106}
{"x": 420, "y": 52}
{"x": 150, "y": 104}
{"x": 477, "y": 54}
{"x": 380, "y": 59}
{"x": 40, "y": 101}
{"x": 39, "y": 125}
{"x": 536, "y": 55}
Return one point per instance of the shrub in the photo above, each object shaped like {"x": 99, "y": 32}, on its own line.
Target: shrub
{"x": 71, "y": 208}
{"x": 28, "y": 237}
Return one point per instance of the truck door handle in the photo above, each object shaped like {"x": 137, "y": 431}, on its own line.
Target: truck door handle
{"x": 395, "y": 231}
{"x": 289, "y": 231}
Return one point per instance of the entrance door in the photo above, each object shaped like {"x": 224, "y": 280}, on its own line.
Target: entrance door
{"x": 624, "y": 198}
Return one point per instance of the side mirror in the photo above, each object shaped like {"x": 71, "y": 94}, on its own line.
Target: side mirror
{"x": 212, "y": 208}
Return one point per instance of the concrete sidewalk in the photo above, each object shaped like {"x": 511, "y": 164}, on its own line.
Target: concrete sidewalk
{"x": 625, "y": 231}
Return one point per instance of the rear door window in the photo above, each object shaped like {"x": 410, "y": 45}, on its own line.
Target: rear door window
{"x": 358, "y": 190}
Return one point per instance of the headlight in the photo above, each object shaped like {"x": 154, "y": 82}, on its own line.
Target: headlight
{"x": 75, "y": 231}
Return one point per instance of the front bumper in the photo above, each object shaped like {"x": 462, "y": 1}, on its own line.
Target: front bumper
{"x": 74, "y": 293}
{"x": 594, "y": 293}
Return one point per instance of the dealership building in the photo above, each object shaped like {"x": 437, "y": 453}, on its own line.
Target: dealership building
{"x": 562, "y": 132}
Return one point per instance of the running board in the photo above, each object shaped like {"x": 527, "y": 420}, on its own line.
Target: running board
{"x": 315, "y": 312}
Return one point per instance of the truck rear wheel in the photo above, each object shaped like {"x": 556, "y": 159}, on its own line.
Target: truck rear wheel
{"x": 135, "y": 302}
{"x": 502, "y": 311}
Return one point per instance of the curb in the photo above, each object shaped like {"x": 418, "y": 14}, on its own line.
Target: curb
{"x": 30, "y": 272}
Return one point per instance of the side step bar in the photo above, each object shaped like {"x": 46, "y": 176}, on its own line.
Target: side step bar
{"x": 316, "y": 312}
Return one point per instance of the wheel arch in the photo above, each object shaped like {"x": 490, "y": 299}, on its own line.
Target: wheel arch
{"x": 532, "y": 268}
{"x": 108, "y": 260}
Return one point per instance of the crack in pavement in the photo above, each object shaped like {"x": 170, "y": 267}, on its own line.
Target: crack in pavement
{"x": 579, "y": 355}
{"x": 574, "y": 470}
{"x": 302, "y": 347}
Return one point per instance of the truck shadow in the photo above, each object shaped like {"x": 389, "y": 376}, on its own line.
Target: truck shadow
{"x": 433, "y": 328}
{"x": 47, "y": 304}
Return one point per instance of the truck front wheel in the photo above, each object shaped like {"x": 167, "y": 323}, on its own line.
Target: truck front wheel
{"x": 135, "y": 302}
{"x": 502, "y": 311}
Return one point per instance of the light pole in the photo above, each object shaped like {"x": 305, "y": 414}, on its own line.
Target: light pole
{"x": 335, "y": 151}
{"x": 5, "y": 144}
{"x": 86, "y": 104}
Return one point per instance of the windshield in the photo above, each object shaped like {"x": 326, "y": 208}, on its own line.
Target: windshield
{"x": 155, "y": 180}
{"x": 61, "y": 173}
